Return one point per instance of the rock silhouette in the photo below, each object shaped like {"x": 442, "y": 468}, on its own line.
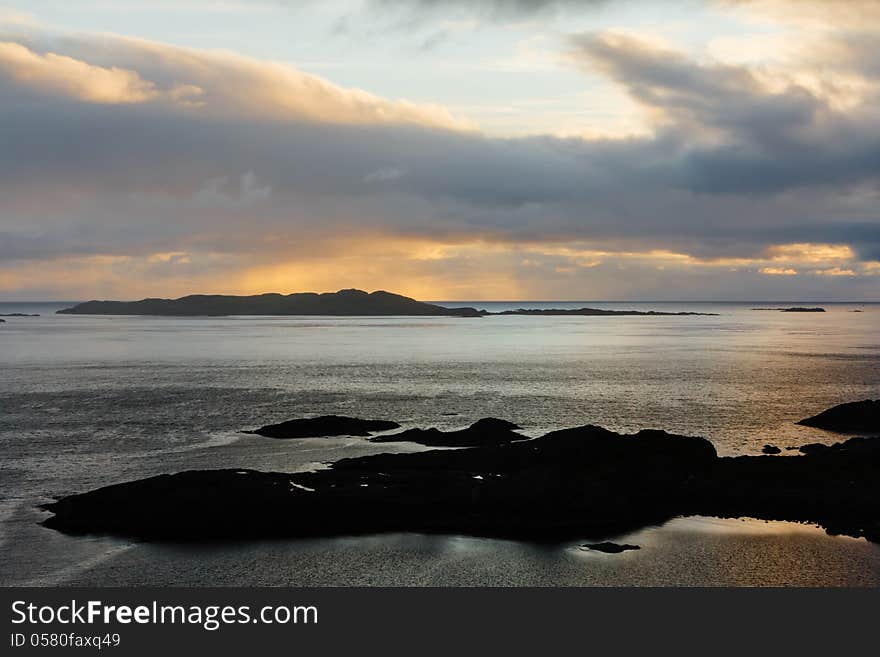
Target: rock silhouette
{"x": 852, "y": 417}
{"x": 326, "y": 425}
{"x": 488, "y": 431}
{"x": 581, "y": 482}
{"x": 771, "y": 449}
{"x": 610, "y": 548}
{"x": 795, "y": 309}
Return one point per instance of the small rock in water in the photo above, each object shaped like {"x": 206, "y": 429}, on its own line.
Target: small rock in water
{"x": 852, "y": 417}
{"x": 325, "y": 425}
{"x": 609, "y": 547}
{"x": 771, "y": 449}
{"x": 812, "y": 448}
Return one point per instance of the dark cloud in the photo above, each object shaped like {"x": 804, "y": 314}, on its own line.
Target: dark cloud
{"x": 761, "y": 140}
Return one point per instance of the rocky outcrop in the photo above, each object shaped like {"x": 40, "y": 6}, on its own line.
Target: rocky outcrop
{"x": 582, "y": 482}
{"x": 609, "y": 548}
{"x": 770, "y": 449}
{"x": 577, "y": 482}
{"x": 325, "y": 425}
{"x": 836, "y": 486}
{"x": 853, "y": 417}
{"x": 488, "y": 431}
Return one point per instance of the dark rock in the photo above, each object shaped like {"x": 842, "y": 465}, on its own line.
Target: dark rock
{"x": 326, "y": 425}
{"x": 610, "y": 548}
{"x": 17, "y": 315}
{"x": 577, "y": 482}
{"x": 342, "y": 303}
{"x": 835, "y": 486}
{"x": 853, "y": 417}
{"x": 488, "y": 431}
{"x": 771, "y": 449}
{"x": 582, "y": 482}
{"x": 851, "y": 446}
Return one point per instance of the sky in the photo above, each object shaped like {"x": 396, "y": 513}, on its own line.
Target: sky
{"x": 443, "y": 149}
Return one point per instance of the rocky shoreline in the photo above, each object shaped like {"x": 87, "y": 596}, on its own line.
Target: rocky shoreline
{"x": 584, "y": 482}
{"x": 325, "y": 425}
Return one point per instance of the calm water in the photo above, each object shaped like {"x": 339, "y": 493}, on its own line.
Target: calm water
{"x": 88, "y": 401}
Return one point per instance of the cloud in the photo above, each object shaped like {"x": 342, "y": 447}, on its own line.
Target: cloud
{"x": 743, "y": 131}
{"x": 255, "y": 176}
{"x": 217, "y": 192}
{"x": 71, "y": 77}
{"x": 806, "y": 252}
{"x": 778, "y": 271}
{"x": 209, "y": 84}
{"x": 490, "y": 8}
{"x": 834, "y": 271}
{"x": 384, "y": 174}
{"x": 821, "y": 13}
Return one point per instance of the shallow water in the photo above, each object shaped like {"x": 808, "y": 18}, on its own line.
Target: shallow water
{"x": 88, "y": 401}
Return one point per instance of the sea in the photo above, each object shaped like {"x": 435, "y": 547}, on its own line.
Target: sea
{"x": 87, "y": 401}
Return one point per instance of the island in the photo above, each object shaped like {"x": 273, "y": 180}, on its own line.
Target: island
{"x": 609, "y": 548}
{"x": 795, "y": 309}
{"x": 580, "y": 483}
{"x": 595, "y": 312}
{"x": 345, "y": 303}
{"x": 18, "y": 315}
{"x": 852, "y": 417}
{"x": 325, "y": 425}
{"x": 342, "y": 303}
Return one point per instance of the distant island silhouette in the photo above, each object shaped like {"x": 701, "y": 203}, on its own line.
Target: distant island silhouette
{"x": 344, "y": 302}
{"x": 591, "y": 312}
{"x": 351, "y": 302}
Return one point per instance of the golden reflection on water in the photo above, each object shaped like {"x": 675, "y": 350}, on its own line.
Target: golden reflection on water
{"x": 754, "y": 526}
